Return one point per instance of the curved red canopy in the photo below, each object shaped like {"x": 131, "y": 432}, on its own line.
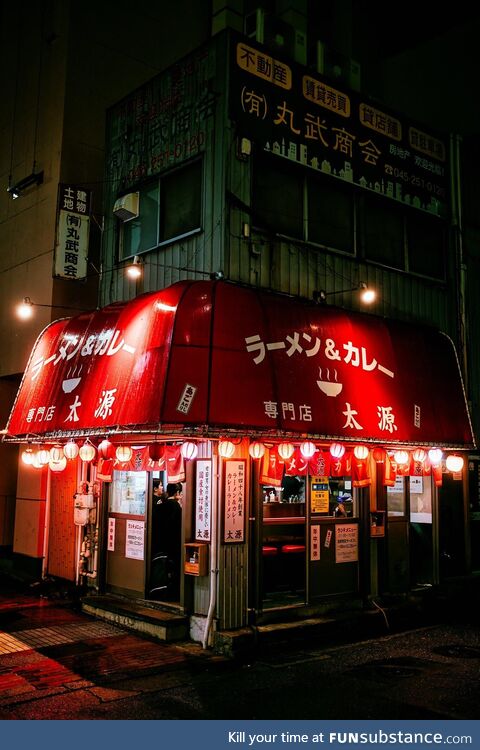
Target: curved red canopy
{"x": 215, "y": 356}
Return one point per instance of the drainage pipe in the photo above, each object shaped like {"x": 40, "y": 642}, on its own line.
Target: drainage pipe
{"x": 216, "y": 496}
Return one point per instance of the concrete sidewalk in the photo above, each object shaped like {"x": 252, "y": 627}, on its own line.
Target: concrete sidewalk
{"x": 53, "y": 655}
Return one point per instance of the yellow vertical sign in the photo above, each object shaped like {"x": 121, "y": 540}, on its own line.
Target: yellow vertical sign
{"x": 319, "y": 494}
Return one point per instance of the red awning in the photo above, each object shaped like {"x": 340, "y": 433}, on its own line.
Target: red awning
{"x": 213, "y": 356}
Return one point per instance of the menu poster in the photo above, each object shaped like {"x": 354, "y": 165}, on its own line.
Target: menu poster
{"x": 346, "y": 543}
{"x": 135, "y": 540}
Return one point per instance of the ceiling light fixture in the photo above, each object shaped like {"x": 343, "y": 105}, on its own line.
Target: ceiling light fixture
{"x": 367, "y": 295}
{"x": 25, "y": 308}
{"x": 15, "y": 191}
{"x": 134, "y": 270}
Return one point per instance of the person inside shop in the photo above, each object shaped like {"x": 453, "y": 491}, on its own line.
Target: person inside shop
{"x": 158, "y": 491}
{"x": 168, "y": 536}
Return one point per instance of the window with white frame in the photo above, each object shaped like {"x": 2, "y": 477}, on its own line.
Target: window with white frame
{"x": 169, "y": 208}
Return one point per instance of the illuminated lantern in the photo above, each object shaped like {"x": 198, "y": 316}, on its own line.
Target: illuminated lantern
{"x": 256, "y": 450}
{"x": 337, "y": 450}
{"x": 70, "y": 450}
{"x": 124, "y": 453}
{"x": 58, "y": 465}
{"x": 189, "y": 450}
{"x": 435, "y": 456}
{"x": 56, "y": 453}
{"x": 27, "y": 456}
{"x": 87, "y": 451}
{"x": 401, "y": 457}
{"x": 454, "y": 463}
{"x": 286, "y": 450}
{"x": 379, "y": 455}
{"x": 106, "y": 449}
{"x": 307, "y": 449}
{"x": 419, "y": 455}
{"x": 226, "y": 449}
{"x": 35, "y": 462}
{"x": 360, "y": 452}
{"x": 155, "y": 451}
{"x": 43, "y": 457}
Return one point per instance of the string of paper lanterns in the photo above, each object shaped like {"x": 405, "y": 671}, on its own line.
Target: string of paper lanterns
{"x": 56, "y": 456}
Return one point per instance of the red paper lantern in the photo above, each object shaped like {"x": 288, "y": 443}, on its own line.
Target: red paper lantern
{"x": 379, "y": 455}
{"x": 106, "y": 449}
{"x": 155, "y": 451}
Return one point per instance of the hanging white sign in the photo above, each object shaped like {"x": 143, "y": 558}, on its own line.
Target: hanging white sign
{"x": 203, "y": 501}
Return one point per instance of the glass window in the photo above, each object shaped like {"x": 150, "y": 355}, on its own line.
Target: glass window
{"x": 128, "y": 493}
{"x": 396, "y": 498}
{"x": 420, "y": 499}
{"x": 383, "y": 232}
{"x": 180, "y": 201}
{"x": 426, "y": 245}
{"x": 278, "y": 198}
{"x": 141, "y": 234}
{"x": 330, "y": 215}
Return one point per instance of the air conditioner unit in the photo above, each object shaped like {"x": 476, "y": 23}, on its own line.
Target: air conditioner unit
{"x": 126, "y": 207}
{"x": 339, "y": 68}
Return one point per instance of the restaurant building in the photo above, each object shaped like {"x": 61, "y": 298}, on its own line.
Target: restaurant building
{"x": 318, "y": 447}
{"x": 319, "y": 467}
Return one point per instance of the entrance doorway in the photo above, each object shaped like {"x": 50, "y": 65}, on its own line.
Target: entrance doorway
{"x": 144, "y": 536}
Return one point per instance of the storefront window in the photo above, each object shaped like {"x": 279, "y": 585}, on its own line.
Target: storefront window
{"x": 128, "y": 493}
{"x": 396, "y": 498}
{"x": 333, "y": 496}
{"x": 420, "y": 499}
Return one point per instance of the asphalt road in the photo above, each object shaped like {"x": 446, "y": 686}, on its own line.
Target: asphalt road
{"x": 56, "y": 663}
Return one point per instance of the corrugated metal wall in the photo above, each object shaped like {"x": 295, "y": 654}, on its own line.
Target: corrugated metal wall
{"x": 61, "y": 541}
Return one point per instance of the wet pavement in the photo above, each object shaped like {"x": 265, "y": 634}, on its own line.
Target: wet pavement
{"x": 58, "y": 663}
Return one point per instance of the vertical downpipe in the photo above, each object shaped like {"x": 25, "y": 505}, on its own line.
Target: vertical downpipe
{"x": 217, "y": 494}
{"x": 46, "y": 532}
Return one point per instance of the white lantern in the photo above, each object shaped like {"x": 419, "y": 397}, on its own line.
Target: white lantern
{"x": 226, "y": 449}
{"x": 58, "y": 465}
{"x": 286, "y": 450}
{"x": 27, "y": 456}
{"x": 360, "y": 452}
{"x": 307, "y": 449}
{"x": 256, "y": 450}
{"x": 419, "y": 455}
{"x": 454, "y": 463}
{"x": 337, "y": 450}
{"x": 189, "y": 450}
{"x": 56, "y": 453}
{"x": 435, "y": 455}
{"x": 401, "y": 457}
{"x": 123, "y": 453}
{"x": 35, "y": 462}
{"x": 87, "y": 451}
{"x": 70, "y": 449}
{"x": 43, "y": 457}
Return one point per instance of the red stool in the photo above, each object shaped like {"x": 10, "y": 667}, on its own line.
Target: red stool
{"x": 288, "y": 549}
{"x": 268, "y": 551}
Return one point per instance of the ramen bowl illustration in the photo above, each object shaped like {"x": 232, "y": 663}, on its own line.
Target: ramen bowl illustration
{"x": 70, "y": 384}
{"x": 329, "y": 387}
